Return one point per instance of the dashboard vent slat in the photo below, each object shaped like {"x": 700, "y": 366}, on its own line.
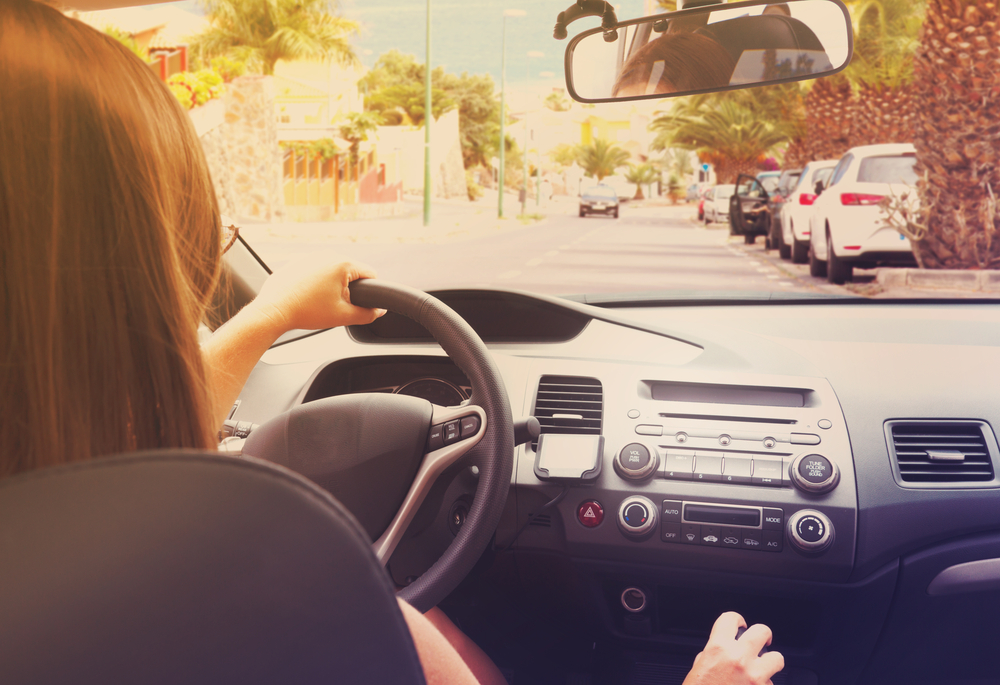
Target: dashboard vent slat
{"x": 969, "y": 456}
{"x": 569, "y": 405}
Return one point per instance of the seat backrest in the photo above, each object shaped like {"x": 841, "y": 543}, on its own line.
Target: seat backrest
{"x": 762, "y": 32}
{"x": 189, "y": 567}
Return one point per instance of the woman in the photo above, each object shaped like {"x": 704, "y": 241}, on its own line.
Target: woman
{"x": 676, "y": 62}
{"x": 109, "y": 254}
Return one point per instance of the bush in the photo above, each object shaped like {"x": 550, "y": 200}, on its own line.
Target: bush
{"x": 197, "y": 88}
{"x": 227, "y": 68}
{"x": 474, "y": 190}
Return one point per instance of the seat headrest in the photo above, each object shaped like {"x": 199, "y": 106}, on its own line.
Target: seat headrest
{"x": 190, "y": 567}
{"x": 762, "y": 32}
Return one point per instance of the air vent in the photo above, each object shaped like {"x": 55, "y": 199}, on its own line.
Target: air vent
{"x": 945, "y": 452}
{"x": 542, "y": 521}
{"x": 569, "y": 404}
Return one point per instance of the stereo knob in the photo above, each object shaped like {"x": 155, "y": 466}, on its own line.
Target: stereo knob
{"x": 637, "y": 517}
{"x": 814, "y": 473}
{"x": 810, "y": 531}
{"x": 636, "y": 461}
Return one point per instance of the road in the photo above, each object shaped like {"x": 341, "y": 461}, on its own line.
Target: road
{"x": 647, "y": 249}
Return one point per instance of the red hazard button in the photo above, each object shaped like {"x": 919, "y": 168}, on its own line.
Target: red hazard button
{"x": 590, "y": 513}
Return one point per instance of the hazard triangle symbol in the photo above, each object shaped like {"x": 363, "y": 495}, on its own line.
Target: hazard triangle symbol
{"x": 590, "y": 513}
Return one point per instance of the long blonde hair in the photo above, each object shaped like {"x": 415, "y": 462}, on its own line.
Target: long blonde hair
{"x": 109, "y": 249}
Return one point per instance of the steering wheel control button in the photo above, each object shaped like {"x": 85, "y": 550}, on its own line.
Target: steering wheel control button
{"x": 470, "y": 426}
{"x": 671, "y": 510}
{"x": 590, "y": 513}
{"x": 634, "y": 600}
{"x": 435, "y": 438}
{"x": 814, "y": 473}
{"x": 679, "y": 465}
{"x": 670, "y": 532}
{"x": 810, "y": 531}
{"x": 452, "y": 432}
{"x": 825, "y": 424}
{"x": 769, "y": 443}
{"x": 805, "y": 439}
{"x": 633, "y": 413}
{"x": 707, "y": 467}
{"x": 637, "y": 516}
{"x": 774, "y": 519}
{"x": 767, "y": 471}
{"x": 773, "y": 540}
{"x": 751, "y": 538}
{"x": 736, "y": 469}
{"x": 648, "y": 429}
{"x": 636, "y": 461}
{"x": 730, "y": 537}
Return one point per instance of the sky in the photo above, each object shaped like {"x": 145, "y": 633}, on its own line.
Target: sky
{"x": 467, "y": 35}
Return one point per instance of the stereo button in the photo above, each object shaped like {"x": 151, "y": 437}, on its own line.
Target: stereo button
{"x": 708, "y": 466}
{"x": 736, "y": 469}
{"x": 774, "y": 519}
{"x": 678, "y": 465}
{"x": 751, "y": 539}
{"x": 767, "y": 471}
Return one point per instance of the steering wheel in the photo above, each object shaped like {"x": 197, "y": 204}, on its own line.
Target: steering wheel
{"x": 379, "y": 454}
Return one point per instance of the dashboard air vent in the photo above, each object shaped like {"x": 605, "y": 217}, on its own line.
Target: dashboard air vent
{"x": 569, "y": 404}
{"x": 941, "y": 452}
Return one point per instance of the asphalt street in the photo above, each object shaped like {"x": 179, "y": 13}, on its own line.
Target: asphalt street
{"x": 647, "y": 249}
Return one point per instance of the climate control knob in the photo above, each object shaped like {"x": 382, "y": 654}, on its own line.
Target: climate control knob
{"x": 814, "y": 473}
{"x": 810, "y": 531}
{"x": 637, "y": 517}
{"x": 637, "y": 461}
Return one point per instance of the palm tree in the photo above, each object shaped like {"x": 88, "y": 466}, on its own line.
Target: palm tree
{"x": 724, "y": 133}
{"x": 601, "y": 158}
{"x": 261, "y": 32}
{"x": 954, "y": 90}
{"x": 640, "y": 175}
{"x": 356, "y": 129}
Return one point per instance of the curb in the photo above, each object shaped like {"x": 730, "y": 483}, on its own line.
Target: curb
{"x": 943, "y": 279}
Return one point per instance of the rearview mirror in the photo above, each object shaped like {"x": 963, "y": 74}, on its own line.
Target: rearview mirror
{"x": 709, "y": 49}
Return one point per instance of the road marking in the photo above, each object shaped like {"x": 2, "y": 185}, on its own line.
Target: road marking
{"x": 788, "y": 284}
{"x": 534, "y": 262}
{"x": 507, "y": 275}
{"x": 552, "y": 253}
{"x": 775, "y": 276}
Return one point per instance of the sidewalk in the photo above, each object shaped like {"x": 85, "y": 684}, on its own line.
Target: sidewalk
{"x": 451, "y": 220}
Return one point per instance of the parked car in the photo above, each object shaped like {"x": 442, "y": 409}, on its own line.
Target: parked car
{"x": 770, "y": 180}
{"x": 798, "y": 207}
{"x": 748, "y": 215}
{"x": 776, "y": 202}
{"x": 692, "y": 193}
{"x": 847, "y": 228}
{"x": 717, "y": 202}
{"x": 599, "y": 199}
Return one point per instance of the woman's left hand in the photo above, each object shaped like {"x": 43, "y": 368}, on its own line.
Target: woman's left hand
{"x": 313, "y": 294}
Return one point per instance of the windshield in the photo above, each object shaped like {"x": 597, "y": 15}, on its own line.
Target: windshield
{"x": 321, "y": 145}
{"x": 899, "y": 169}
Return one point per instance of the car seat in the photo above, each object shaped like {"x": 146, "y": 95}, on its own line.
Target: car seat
{"x": 762, "y": 32}
{"x": 190, "y": 567}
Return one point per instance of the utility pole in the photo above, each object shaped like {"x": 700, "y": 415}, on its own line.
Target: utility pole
{"x": 503, "y": 110}
{"x": 427, "y": 123}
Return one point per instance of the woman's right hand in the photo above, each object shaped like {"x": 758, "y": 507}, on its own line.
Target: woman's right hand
{"x": 728, "y": 661}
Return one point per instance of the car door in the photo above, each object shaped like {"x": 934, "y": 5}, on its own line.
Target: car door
{"x": 746, "y": 206}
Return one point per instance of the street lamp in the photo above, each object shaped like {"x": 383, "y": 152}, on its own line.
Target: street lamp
{"x": 503, "y": 113}
{"x": 427, "y": 123}
{"x": 527, "y": 71}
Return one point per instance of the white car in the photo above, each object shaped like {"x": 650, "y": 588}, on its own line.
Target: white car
{"x": 717, "y": 202}
{"x": 847, "y": 227}
{"x": 798, "y": 208}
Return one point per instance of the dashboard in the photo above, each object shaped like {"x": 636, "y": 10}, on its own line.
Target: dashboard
{"x": 827, "y": 468}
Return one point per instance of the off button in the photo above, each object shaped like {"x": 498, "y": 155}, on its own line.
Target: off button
{"x": 590, "y": 513}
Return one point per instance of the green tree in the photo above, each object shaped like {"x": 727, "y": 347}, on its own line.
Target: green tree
{"x": 565, "y": 154}
{"x": 601, "y": 158}
{"x": 557, "y": 102}
{"x": 732, "y": 137}
{"x": 356, "y": 129}
{"x": 261, "y": 32}
{"x": 395, "y": 87}
{"x": 128, "y": 40}
{"x": 640, "y": 175}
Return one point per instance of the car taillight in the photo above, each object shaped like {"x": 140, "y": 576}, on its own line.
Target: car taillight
{"x": 859, "y": 199}
{"x": 807, "y": 198}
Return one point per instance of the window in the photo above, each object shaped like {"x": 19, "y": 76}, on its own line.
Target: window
{"x": 841, "y": 168}
{"x": 889, "y": 169}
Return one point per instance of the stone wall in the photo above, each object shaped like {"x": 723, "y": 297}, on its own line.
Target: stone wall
{"x": 240, "y": 138}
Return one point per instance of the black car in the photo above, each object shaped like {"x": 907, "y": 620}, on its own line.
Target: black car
{"x": 748, "y": 212}
{"x": 786, "y": 183}
{"x": 600, "y": 199}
